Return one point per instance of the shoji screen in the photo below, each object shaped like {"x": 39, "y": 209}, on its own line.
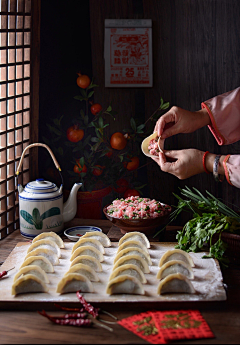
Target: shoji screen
{"x": 16, "y": 18}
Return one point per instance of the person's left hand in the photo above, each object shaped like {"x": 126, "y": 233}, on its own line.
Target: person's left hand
{"x": 182, "y": 163}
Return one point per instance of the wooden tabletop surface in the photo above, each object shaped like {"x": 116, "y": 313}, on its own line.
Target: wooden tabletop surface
{"x": 25, "y": 327}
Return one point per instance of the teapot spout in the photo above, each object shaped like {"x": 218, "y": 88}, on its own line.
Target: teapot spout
{"x": 70, "y": 206}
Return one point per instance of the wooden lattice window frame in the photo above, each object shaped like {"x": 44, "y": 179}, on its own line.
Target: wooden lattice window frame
{"x": 19, "y": 101}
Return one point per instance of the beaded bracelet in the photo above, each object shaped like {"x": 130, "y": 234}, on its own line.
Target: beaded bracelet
{"x": 204, "y": 165}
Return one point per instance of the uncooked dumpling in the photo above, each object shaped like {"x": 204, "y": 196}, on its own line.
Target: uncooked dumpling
{"x": 89, "y": 261}
{"x": 130, "y": 270}
{"x": 175, "y": 283}
{"x": 175, "y": 266}
{"x": 132, "y": 243}
{"x": 136, "y": 236}
{"x": 74, "y": 282}
{"x": 47, "y": 253}
{"x": 97, "y": 235}
{"x": 40, "y": 261}
{"x": 35, "y": 270}
{"x": 84, "y": 270}
{"x": 125, "y": 285}
{"x": 176, "y": 254}
{"x": 28, "y": 284}
{"x": 88, "y": 250}
{"x": 89, "y": 242}
{"x": 134, "y": 260}
{"x": 47, "y": 244}
{"x": 134, "y": 251}
{"x": 50, "y": 236}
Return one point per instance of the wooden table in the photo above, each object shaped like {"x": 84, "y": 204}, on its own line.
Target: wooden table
{"x": 24, "y": 327}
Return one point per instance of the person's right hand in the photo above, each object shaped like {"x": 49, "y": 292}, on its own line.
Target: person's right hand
{"x": 178, "y": 120}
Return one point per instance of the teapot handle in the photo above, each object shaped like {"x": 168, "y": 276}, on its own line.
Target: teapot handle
{"x": 35, "y": 145}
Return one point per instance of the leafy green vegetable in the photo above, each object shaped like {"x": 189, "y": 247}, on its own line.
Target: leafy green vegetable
{"x": 210, "y": 217}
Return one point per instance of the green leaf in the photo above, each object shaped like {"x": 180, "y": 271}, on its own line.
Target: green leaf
{"x": 140, "y": 126}
{"x": 100, "y": 122}
{"x": 46, "y": 140}
{"x": 95, "y": 140}
{"x": 82, "y": 161}
{"x": 90, "y": 94}
{"x": 79, "y": 98}
{"x": 84, "y": 93}
{"x": 85, "y": 120}
{"x": 54, "y": 130}
{"x": 109, "y": 108}
{"x": 92, "y": 85}
{"x": 54, "y": 211}
{"x": 27, "y": 216}
{"x": 37, "y": 219}
{"x": 133, "y": 124}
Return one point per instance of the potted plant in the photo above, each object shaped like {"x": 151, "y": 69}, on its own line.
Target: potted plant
{"x": 88, "y": 155}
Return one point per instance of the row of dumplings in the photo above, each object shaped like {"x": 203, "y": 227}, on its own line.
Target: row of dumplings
{"x": 130, "y": 265}
{"x": 42, "y": 255}
{"x": 175, "y": 273}
{"x": 86, "y": 258}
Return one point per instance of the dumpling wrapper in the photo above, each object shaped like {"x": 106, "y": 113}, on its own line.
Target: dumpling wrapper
{"x": 130, "y": 270}
{"x": 74, "y": 282}
{"x": 28, "y": 284}
{"x": 89, "y": 242}
{"x": 47, "y": 253}
{"x": 146, "y": 141}
{"x": 136, "y": 236}
{"x": 125, "y": 285}
{"x": 173, "y": 267}
{"x": 88, "y": 250}
{"x": 132, "y": 243}
{"x": 47, "y": 244}
{"x": 134, "y": 251}
{"x": 134, "y": 260}
{"x": 50, "y": 236}
{"x": 101, "y": 237}
{"x": 34, "y": 270}
{"x": 84, "y": 270}
{"x": 175, "y": 283}
{"x": 88, "y": 261}
{"x": 176, "y": 254}
{"x": 40, "y": 261}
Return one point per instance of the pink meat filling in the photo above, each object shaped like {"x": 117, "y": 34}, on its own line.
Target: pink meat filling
{"x": 153, "y": 147}
{"x": 136, "y": 207}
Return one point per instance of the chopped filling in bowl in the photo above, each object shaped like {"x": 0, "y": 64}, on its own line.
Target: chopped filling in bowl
{"x": 136, "y": 207}
{"x": 153, "y": 147}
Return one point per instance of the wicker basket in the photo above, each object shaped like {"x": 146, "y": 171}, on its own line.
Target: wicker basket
{"x": 233, "y": 242}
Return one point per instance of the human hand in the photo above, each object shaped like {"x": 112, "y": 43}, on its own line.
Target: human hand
{"x": 182, "y": 163}
{"x": 178, "y": 120}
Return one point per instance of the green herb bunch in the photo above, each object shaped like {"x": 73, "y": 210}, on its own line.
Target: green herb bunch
{"x": 210, "y": 217}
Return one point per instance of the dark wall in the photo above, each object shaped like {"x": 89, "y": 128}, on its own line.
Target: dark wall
{"x": 196, "y": 55}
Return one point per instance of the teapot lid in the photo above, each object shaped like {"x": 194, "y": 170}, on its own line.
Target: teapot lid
{"x": 40, "y": 186}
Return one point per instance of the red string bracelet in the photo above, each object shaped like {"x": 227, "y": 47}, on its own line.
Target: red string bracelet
{"x": 204, "y": 165}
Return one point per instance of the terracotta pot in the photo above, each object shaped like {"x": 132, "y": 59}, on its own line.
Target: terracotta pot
{"x": 90, "y": 204}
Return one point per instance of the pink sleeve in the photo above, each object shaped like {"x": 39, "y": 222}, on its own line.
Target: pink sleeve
{"x": 232, "y": 169}
{"x": 224, "y": 112}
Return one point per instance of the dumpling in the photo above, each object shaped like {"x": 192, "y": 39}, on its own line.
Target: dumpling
{"x": 97, "y": 235}
{"x": 40, "y": 261}
{"x": 175, "y": 266}
{"x": 28, "y": 284}
{"x": 84, "y": 270}
{"x": 88, "y": 250}
{"x": 132, "y": 243}
{"x": 134, "y": 260}
{"x": 125, "y": 285}
{"x": 47, "y": 244}
{"x": 74, "y": 282}
{"x": 88, "y": 261}
{"x": 34, "y": 270}
{"x": 175, "y": 283}
{"x": 136, "y": 236}
{"x": 130, "y": 270}
{"x": 89, "y": 242}
{"x": 176, "y": 254}
{"x": 134, "y": 251}
{"x": 50, "y": 236}
{"x": 47, "y": 253}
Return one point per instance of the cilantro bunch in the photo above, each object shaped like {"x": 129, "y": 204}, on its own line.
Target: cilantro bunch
{"x": 210, "y": 217}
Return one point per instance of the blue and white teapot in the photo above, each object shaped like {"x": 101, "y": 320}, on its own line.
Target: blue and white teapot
{"x": 41, "y": 207}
